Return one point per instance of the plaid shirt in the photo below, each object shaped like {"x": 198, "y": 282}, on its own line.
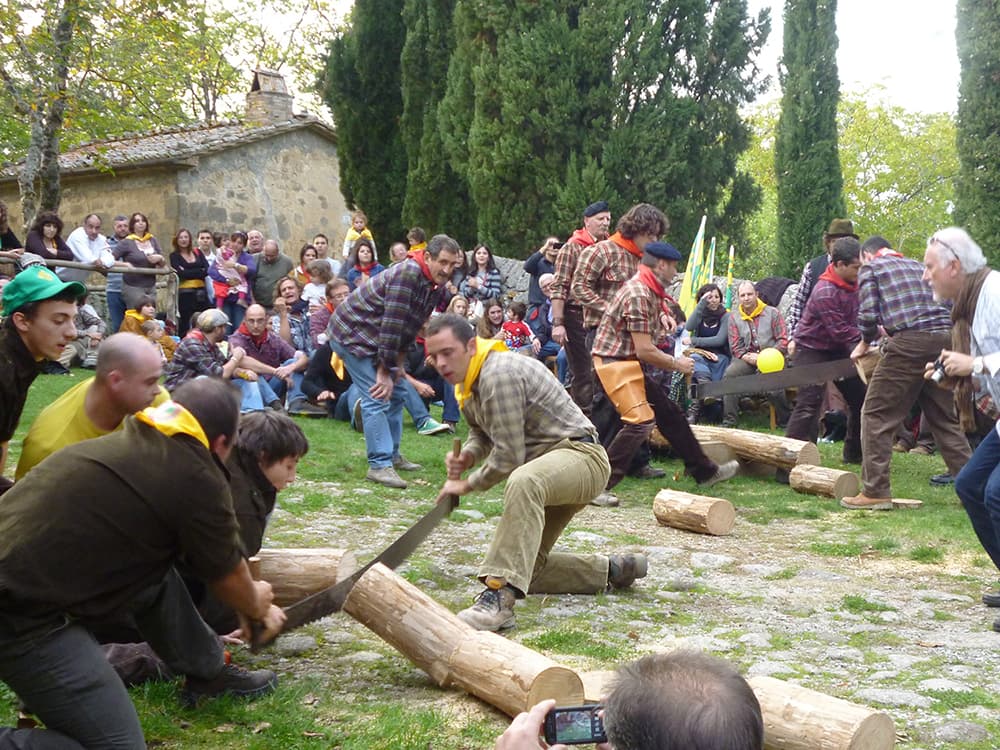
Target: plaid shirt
{"x": 381, "y": 318}
{"x": 767, "y": 329}
{"x": 634, "y": 309}
{"x": 806, "y": 283}
{"x": 517, "y": 412}
{"x": 601, "y": 270}
{"x": 892, "y": 294}
{"x": 829, "y": 321}
{"x": 565, "y": 267}
{"x": 195, "y": 356}
{"x": 271, "y": 350}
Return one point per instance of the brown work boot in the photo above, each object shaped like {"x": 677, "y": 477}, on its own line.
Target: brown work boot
{"x": 493, "y": 610}
{"x": 624, "y": 569}
{"x": 862, "y": 502}
{"x": 232, "y": 680}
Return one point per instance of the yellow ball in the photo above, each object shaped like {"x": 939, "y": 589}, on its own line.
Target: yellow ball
{"x": 770, "y": 360}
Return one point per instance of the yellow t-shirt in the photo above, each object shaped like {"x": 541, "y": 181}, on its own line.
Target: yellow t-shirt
{"x": 63, "y": 422}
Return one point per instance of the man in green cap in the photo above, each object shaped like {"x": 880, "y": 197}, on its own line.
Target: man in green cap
{"x": 38, "y": 313}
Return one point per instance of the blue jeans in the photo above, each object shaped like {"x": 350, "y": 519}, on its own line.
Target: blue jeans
{"x": 116, "y": 310}
{"x": 234, "y": 311}
{"x": 978, "y": 487}
{"x": 282, "y": 389}
{"x": 707, "y": 370}
{"x": 442, "y": 392}
{"x": 562, "y": 365}
{"x": 383, "y": 419}
{"x": 255, "y": 395}
{"x": 413, "y": 403}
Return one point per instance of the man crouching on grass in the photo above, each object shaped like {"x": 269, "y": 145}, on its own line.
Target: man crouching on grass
{"x": 524, "y": 428}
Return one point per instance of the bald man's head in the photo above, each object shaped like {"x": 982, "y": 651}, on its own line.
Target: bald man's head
{"x": 128, "y": 372}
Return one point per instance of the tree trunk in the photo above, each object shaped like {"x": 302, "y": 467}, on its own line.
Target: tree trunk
{"x": 819, "y": 480}
{"x": 796, "y": 718}
{"x": 503, "y": 673}
{"x": 294, "y": 574}
{"x": 760, "y": 446}
{"x": 706, "y": 515}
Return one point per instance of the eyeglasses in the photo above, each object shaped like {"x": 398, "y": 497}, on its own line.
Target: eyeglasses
{"x": 938, "y": 241}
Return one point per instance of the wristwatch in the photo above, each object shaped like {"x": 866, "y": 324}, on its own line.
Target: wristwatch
{"x": 977, "y": 366}
{"x": 557, "y": 321}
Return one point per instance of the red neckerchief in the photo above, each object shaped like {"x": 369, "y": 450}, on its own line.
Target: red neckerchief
{"x": 194, "y": 333}
{"x": 888, "y": 252}
{"x": 627, "y": 244}
{"x": 246, "y": 332}
{"x": 363, "y": 268}
{"x": 418, "y": 256}
{"x": 830, "y": 275}
{"x": 329, "y": 307}
{"x": 582, "y": 237}
{"x": 649, "y": 280}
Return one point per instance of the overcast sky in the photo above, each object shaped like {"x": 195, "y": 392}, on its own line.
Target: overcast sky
{"x": 908, "y": 46}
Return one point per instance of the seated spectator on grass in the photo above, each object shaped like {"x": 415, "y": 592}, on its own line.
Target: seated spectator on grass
{"x": 540, "y": 320}
{"x": 753, "y": 326}
{"x": 709, "y": 341}
{"x": 490, "y": 325}
{"x": 314, "y": 293}
{"x": 275, "y": 361}
{"x": 45, "y": 238}
{"x": 363, "y": 263}
{"x": 328, "y": 384}
{"x": 90, "y": 330}
{"x": 683, "y": 700}
{"x": 428, "y": 385}
{"x": 291, "y": 319}
{"x": 458, "y": 305}
{"x": 153, "y": 331}
{"x": 516, "y": 333}
{"x": 337, "y": 291}
{"x": 145, "y": 310}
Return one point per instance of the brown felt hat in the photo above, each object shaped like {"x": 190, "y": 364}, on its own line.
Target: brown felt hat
{"x": 841, "y": 228}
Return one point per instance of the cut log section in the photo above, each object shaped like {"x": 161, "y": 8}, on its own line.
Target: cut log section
{"x": 905, "y": 503}
{"x": 820, "y": 480}
{"x": 294, "y": 574}
{"x": 797, "y": 718}
{"x": 503, "y": 673}
{"x": 760, "y": 446}
{"x": 706, "y": 515}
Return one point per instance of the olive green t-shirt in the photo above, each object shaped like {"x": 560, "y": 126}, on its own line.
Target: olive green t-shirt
{"x": 101, "y": 520}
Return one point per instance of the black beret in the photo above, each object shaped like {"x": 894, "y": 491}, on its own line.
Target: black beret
{"x": 662, "y": 250}
{"x": 596, "y": 208}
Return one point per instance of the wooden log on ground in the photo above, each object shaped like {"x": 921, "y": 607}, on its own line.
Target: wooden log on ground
{"x": 821, "y": 480}
{"x": 682, "y": 510}
{"x": 503, "y": 673}
{"x": 797, "y": 718}
{"x": 761, "y": 446}
{"x": 294, "y": 574}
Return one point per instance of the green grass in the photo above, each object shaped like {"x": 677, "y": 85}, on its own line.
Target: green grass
{"x": 326, "y": 700}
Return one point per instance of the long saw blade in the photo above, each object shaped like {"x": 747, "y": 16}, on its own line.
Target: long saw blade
{"x": 332, "y": 599}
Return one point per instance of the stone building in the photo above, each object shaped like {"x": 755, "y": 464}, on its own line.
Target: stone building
{"x": 273, "y": 171}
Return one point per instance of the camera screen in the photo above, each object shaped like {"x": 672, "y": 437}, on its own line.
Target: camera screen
{"x": 573, "y": 726}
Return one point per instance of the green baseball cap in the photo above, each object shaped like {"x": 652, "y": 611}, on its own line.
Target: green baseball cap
{"x": 35, "y": 284}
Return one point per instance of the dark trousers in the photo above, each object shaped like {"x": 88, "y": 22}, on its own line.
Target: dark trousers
{"x": 672, "y": 423}
{"x": 898, "y": 382}
{"x": 581, "y": 365}
{"x": 189, "y": 302}
{"x": 804, "y": 422}
{"x": 60, "y": 672}
{"x": 978, "y": 487}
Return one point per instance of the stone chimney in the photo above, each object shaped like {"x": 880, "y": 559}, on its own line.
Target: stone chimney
{"x": 268, "y": 101}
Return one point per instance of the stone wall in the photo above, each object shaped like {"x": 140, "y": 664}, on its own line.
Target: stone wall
{"x": 288, "y": 187}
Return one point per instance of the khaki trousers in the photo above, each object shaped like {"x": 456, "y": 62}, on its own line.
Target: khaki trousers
{"x": 540, "y": 499}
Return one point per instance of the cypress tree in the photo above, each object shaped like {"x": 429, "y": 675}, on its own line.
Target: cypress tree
{"x": 978, "y": 185}
{"x": 361, "y": 85}
{"x": 437, "y": 198}
{"x": 807, "y": 166}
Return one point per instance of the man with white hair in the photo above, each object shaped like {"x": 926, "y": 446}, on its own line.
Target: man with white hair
{"x": 956, "y": 269}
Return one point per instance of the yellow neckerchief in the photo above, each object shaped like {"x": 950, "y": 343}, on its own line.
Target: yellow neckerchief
{"x": 337, "y": 365}
{"x": 171, "y": 418}
{"x": 353, "y": 234}
{"x": 418, "y": 246}
{"x": 756, "y": 311}
{"x": 146, "y": 237}
{"x": 135, "y": 314}
{"x": 483, "y": 349}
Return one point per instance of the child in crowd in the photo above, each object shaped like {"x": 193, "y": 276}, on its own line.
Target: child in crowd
{"x": 359, "y": 228}
{"x": 459, "y": 305}
{"x": 145, "y": 312}
{"x": 224, "y": 289}
{"x": 153, "y": 331}
{"x": 314, "y": 293}
{"x": 516, "y": 333}
{"x": 363, "y": 263}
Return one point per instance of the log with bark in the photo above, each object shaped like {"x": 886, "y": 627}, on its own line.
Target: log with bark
{"x": 797, "y": 718}
{"x": 682, "y": 510}
{"x": 294, "y": 574}
{"x": 501, "y": 672}
{"x": 821, "y": 480}
{"x": 761, "y": 446}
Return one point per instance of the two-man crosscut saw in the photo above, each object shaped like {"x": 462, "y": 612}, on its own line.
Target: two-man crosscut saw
{"x": 332, "y": 599}
{"x": 820, "y": 372}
